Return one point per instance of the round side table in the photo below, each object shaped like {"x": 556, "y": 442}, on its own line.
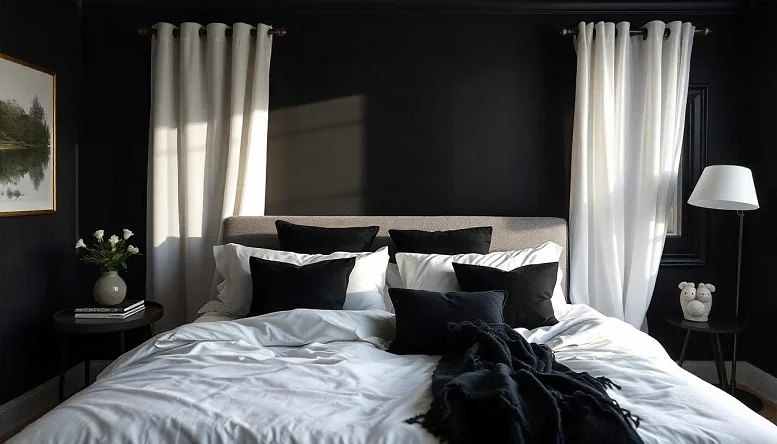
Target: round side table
{"x": 715, "y": 328}
{"x": 66, "y": 323}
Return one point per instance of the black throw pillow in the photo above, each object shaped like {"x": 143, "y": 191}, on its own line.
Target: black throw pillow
{"x": 278, "y": 286}
{"x": 423, "y": 316}
{"x": 320, "y": 240}
{"x": 467, "y": 240}
{"x": 529, "y": 289}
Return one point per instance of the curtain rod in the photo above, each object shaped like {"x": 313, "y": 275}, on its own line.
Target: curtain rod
{"x": 148, "y": 32}
{"x": 703, "y": 32}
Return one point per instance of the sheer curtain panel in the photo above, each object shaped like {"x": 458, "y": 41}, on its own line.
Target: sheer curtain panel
{"x": 629, "y": 121}
{"x": 207, "y": 154}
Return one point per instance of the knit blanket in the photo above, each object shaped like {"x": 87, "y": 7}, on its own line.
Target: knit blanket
{"x": 491, "y": 385}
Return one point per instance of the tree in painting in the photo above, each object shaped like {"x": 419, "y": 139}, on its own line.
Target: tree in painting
{"x": 25, "y": 143}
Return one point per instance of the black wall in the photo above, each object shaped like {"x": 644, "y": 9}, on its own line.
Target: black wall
{"x": 38, "y": 273}
{"x": 465, "y": 114}
{"x": 759, "y": 302}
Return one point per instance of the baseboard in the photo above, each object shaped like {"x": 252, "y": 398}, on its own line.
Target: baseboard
{"x": 20, "y": 411}
{"x": 747, "y": 374}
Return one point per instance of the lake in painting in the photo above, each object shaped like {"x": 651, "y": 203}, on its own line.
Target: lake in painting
{"x": 26, "y": 139}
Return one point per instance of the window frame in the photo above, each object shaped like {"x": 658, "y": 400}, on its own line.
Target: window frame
{"x": 689, "y": 248}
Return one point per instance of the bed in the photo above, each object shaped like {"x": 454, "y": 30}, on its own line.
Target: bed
{"x": 321, "y": 376}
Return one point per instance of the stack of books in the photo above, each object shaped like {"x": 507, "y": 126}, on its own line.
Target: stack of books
{"x": 123, "y": 310}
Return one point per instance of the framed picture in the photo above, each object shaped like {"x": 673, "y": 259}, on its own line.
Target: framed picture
{"x": 28, "y": 183}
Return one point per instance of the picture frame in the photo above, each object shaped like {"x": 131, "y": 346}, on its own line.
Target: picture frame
{"x": 28, "y": 138}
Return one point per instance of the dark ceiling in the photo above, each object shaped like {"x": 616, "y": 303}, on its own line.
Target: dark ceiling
{"x": 463, "y": 6}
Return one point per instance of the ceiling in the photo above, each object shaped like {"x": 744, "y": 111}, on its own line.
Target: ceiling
{"x": 461, "y": 6}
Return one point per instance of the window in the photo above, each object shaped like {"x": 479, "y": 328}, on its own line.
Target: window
{"x": 686, "y": 231}
{"x": 673, "y": 225}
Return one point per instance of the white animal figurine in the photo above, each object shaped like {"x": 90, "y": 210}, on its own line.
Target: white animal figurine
{"x": 696, "y": 302}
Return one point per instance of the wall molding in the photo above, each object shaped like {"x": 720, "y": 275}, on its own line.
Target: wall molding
{"x": 27, "y": 407}
{"x": 747, "y": 374}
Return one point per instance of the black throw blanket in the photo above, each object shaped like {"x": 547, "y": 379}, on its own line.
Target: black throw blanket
{"x": 492, "y": 386}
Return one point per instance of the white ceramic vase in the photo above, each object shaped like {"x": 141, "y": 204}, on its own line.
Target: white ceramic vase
{"x": 110, "y": 288}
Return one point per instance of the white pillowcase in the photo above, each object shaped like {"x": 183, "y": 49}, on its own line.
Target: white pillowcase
{"x": 434, "y": 272}
{"x": 366, "y": 283}
{"x": 393, "y": 280}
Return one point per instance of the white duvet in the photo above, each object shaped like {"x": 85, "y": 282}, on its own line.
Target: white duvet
{"x": 309, "y": 376}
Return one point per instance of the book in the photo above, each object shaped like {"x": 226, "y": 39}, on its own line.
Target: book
{"x": 110, "y": 315}
{"x": 123, "y": 307}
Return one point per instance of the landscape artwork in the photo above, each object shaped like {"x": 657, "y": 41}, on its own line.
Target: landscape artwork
{"x": 27, "y": 139}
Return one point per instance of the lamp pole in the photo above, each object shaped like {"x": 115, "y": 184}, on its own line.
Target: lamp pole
{"x": 744, "y": 397}
{"x": 733, "y": 384}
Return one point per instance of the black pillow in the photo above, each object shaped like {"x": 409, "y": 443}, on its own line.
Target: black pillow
{"x": 529, "y": 289}
{"x": 423, "y": 316}
{"x": 466, "y": 240}
{"x": 320, "y": 240}
{"x": 278, "y": 286}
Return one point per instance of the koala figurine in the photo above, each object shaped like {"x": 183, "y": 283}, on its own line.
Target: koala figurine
{"x": 696, "y": 302}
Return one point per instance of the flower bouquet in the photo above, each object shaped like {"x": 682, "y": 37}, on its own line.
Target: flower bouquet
{"x": 109, "y": 256}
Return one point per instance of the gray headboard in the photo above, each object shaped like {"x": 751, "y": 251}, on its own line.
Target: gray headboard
{"x": 510, "y": 233}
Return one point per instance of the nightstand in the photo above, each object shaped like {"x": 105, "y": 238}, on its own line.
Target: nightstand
{"x": 715, "y": 328}
{"x": 65, "y": 322}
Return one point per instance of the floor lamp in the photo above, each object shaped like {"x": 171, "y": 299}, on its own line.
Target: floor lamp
{"x": 730, "y": 187}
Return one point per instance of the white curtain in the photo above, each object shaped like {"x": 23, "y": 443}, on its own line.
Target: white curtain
{"x": 207, "y": 154}
{"x": 626, "y": 146}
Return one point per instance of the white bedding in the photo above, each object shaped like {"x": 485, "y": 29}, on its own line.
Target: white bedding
{"x": 310, "y": 376}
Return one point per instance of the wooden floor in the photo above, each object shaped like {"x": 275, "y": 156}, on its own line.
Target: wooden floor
{"x": 770, "y": 409}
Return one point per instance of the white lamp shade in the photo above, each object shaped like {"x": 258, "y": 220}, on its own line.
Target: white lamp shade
{"x": 725, "y": 187}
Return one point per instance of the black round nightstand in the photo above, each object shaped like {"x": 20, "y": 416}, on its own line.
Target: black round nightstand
{"x": 65, "y": 322}
{"x": 715, "y": 328}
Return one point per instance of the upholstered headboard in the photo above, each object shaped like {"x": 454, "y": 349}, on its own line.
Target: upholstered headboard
{"x": 510, "y": 233}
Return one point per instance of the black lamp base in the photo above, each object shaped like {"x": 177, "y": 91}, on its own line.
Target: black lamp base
{"x": 750, "y": 400}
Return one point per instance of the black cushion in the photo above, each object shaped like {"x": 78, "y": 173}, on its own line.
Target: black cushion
{"x": 423, "y": 316}
{"x": 320, "y": 240}
{"x": 278, "y": 286}
{"x": 529, "y": 289}
{"x": 466, "y": 240}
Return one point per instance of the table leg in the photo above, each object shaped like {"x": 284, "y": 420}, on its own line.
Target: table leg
{"x": 87, "y": 379}
{"x": 733, "y": 384}
{"x": 149, "y": 333}
{"x": 685, "y": 349}
{"x": 62, "y": 367}
{"x": 121, "y": 336}
{"x": 719, "y": 364}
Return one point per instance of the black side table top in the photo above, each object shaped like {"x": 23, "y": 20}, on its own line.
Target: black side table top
{"x": 720, "y": 326}
{"x": 65, "y": 321}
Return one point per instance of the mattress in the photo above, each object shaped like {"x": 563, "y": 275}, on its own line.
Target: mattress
{"x": 315, "y": 376}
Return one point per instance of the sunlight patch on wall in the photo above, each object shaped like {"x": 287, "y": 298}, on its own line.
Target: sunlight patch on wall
{"x": 315, "y": 158}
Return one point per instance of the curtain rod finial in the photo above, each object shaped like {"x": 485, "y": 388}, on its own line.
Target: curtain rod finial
{"x": 704, "y": 32}
{"x": 280, "y": 32}
{"x": 568, "y": 31}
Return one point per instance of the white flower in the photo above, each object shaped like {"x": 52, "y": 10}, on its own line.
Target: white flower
{"x": 133, "y": 250}
{"x": 113, "y": 240}
{"x": 99, "y": 235}
{"x": 80, "y": 244}
{"x": 127, "y": 234}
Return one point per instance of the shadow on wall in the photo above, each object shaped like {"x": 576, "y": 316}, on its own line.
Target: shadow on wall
{"x": 316, "y": 158}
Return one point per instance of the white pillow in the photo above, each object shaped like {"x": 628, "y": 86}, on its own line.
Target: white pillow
{"x": 393, "y": 280}
{"x": 434, "y": 272}
{"x": 366, "y": 284}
